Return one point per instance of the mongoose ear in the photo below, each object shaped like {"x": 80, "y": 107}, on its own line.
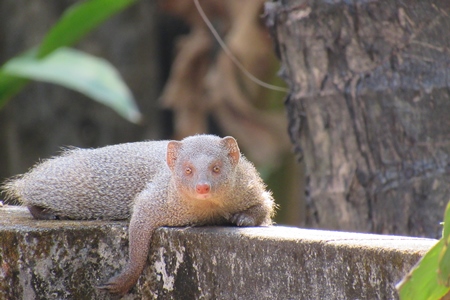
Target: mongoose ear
{"x": 172, "y": 153}
{"x": 233, "y": 149}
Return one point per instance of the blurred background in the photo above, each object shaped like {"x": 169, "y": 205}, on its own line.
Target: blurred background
{"x": 181, "y": 79}
{"x": 366, "y": 108}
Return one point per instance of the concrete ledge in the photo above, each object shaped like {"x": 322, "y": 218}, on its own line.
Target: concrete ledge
{"x": 66, "y": 259}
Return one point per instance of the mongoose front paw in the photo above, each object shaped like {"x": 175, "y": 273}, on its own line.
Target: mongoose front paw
{"x": 117, "y": 285}
{"x": 242, "y": 219}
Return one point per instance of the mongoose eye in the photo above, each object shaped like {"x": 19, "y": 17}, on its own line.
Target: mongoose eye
{"x": 188, "y": 171}
{"x": 216, "y": 169}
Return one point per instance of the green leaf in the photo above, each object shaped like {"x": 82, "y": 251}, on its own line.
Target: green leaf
{"x": 429, "y": 279}
{"x": 92, "y": 76}
{"x": 444, "y": 256}
{"x": 446, "y": 231}
{"x": 78, "y": 20}
{"x": 10, "y": 85}
{"x": 421, "y": 283}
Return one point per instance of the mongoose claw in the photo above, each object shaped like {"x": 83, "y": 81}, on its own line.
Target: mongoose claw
{"x": 242, "y": 219}
{"x": 116, "y": 286}
{"x": 111, "y": 288}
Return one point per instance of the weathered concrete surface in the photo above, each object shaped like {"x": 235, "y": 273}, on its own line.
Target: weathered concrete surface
{"x": 57, "y": 259}
{"x": 66, "y": 259}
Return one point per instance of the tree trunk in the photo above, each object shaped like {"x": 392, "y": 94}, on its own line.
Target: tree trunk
{"x": 369, "y": 107}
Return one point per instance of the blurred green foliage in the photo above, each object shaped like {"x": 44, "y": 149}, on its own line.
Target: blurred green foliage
{"x": 52, "y": 62}
{"x": 429, "y": 279}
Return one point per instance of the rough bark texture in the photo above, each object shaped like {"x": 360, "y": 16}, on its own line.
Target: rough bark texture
{"x": 369, "y": 107}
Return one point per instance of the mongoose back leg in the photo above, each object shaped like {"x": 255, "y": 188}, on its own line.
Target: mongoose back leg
{"x": 41, "y": 213}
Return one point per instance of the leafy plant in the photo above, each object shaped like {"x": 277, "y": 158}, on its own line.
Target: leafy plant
{"x": 430, "y": 278}
{"x": 53, "y": 62}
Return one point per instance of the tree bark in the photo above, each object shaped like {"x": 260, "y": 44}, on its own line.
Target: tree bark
{"x": 369, "y": 109}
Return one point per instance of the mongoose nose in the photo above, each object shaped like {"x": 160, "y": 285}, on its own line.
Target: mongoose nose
{"x": 203, "y": 188}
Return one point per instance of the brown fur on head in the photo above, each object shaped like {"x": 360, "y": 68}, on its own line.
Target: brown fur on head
{"x": 203, "y": 170}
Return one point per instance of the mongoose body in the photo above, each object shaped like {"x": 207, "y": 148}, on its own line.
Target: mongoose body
{"x": 90, "y": 184}
{"x": 202, "y": 180}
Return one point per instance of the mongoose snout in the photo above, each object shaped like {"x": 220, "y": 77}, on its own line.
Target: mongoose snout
{"x": 203, "y": 188}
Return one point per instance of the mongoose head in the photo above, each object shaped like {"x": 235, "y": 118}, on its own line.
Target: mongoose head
{"x": 203, "y": 166}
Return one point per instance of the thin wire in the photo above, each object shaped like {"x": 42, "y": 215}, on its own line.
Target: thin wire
{"x": 231, "y": 55}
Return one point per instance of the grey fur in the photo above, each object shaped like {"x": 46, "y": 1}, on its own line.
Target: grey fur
{"x": 155, "y": 182}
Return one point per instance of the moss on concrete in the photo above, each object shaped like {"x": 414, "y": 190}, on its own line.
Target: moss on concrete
{"x": 67, "y": 259}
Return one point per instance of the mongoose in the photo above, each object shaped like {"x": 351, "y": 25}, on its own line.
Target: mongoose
{"x": 201, "y": 180}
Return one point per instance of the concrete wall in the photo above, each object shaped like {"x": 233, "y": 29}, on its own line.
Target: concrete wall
{"x": 66, "y": 259}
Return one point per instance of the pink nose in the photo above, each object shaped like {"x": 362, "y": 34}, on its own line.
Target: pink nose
{"x": 203, "y": 188}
